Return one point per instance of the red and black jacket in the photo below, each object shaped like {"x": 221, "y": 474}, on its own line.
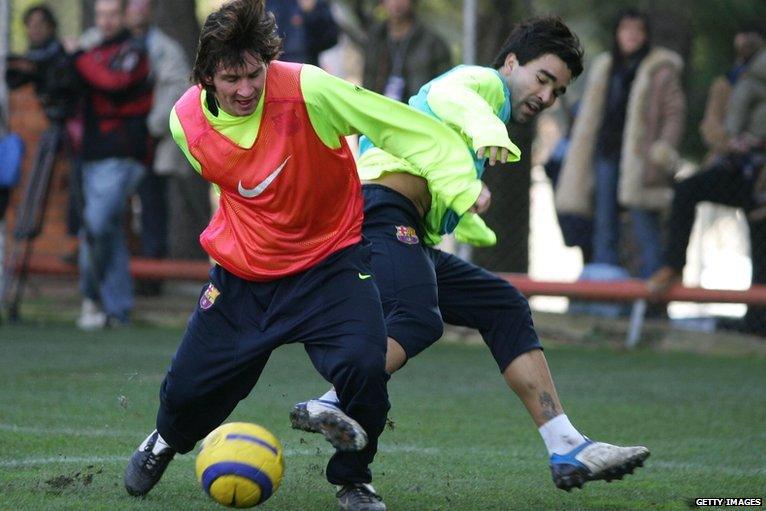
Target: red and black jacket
{"x": 118, "y": 97}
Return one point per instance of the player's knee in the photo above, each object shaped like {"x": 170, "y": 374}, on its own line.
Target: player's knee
{"x": 415, "y": 328}
{"x": 512, "y": 304}
{"x": 433, "y": 327}
{"x": 365, "y": 366}
{"x": 176, "y": 397}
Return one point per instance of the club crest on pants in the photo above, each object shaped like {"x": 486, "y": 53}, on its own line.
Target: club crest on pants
{"x": 406, "y": 234}
{"x": 208, "y": 297}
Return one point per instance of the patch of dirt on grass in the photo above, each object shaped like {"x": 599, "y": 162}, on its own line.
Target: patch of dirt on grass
{"x": 60, "y": 482}
{"x": 82, "y": 478}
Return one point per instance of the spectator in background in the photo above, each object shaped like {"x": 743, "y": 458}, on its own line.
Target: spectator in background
{"x": 401, "y": 54}
{"x": 48, "y": 66}
{"x": 630, "y": 122}
{"x": 736, "y": 178}
{"x": 169, "y": 73}
{"x": 118, "y": 97}
{"x": 306, "y": 27}
{"x": 747, "y": 42}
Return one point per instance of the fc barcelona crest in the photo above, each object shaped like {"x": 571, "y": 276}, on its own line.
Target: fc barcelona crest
{"x": 406, "y": 234}
{"x": 208, "y": 297}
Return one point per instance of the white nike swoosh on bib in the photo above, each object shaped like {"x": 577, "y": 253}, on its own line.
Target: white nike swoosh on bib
{"x": 249, "y": 193}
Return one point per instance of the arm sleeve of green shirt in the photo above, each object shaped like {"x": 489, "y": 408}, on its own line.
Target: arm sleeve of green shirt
{"x": 180, "y": 137}
{"x": 468, "y": 99}
{"x": 338, "y": 108}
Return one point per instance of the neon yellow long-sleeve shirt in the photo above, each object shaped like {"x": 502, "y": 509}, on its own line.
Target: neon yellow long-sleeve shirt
{"x": 473, "y": 101}
{"x": 338, "y": 108}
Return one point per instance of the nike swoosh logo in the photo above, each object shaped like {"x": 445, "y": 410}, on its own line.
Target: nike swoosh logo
{"x": 249, "y": 193}
{"x": 364, "y": 276}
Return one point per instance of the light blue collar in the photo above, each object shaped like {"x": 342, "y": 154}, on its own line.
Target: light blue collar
{"x": 505, "y": 111}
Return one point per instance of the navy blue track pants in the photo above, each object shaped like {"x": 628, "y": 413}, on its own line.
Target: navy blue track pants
{"x": 330, "y": 308}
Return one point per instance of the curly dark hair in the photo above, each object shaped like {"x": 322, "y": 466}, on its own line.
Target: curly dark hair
{"x": 535, "y": 37}
{"x": 238, "y": 28}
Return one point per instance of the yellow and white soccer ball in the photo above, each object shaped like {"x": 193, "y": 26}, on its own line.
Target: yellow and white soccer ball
{"x": 240, "y": 464}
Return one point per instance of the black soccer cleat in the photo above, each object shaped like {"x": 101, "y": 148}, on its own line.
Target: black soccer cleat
{"x": 359, "y": 497}
{"x": 145, "y": 467}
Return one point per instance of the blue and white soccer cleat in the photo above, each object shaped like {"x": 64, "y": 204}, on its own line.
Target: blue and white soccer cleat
{"x": 322, "y": 416}
{"x": 592, "y": 461}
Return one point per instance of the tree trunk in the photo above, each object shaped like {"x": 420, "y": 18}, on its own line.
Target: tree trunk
{"x": 509, "y": 214}
{"x": 509, "y": 183}
{"x": 188, "y": 194}
{"x": 178, "y": 19}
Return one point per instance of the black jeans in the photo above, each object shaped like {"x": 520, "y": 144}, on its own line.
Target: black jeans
{"x": 725, "y": 182}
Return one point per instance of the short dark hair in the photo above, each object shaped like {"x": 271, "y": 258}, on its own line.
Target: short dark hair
{"x": 44, "y": 11}
{"x": 535, "y": 37}
{"x": 238, "y": 28}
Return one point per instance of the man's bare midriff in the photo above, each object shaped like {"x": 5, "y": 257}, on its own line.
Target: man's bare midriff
{"x": 413, "y": 187}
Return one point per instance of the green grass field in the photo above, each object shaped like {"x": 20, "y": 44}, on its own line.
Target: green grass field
{"x": 73, "y": 406}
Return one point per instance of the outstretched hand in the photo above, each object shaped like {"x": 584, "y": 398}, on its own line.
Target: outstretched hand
{"x": 493, "y": 154}
{"x": 482, "y": 203}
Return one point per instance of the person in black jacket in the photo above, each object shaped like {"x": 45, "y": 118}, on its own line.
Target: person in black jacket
{"x": 402, "y": 53}
{"x": 49, "y": 67}
{"x": 46, "y": 64}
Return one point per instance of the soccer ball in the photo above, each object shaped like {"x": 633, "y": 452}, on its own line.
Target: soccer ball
{"x": 240, "y": 464}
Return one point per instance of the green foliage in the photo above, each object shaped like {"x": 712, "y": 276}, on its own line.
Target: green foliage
{"x": 74, "y": 405}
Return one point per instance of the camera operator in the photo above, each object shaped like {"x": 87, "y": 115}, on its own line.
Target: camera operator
{"x": 46, "y": 64}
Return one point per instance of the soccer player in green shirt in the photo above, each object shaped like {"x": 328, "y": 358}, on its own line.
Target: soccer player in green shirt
{"x": 292, "y": 265}
{"x": 408, "y": 209}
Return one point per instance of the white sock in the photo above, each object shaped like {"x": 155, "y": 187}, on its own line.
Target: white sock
{"x": 559, "y": 435}
{"x": 330, "y": 395}
{"x": 160, "y": 445}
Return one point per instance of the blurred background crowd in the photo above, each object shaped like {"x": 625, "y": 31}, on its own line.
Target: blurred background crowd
{"x": 650, "y": 167}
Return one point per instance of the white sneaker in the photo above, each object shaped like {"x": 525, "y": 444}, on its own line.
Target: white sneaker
{"x": 91, "y": 316}
{"x": 321, "y": 416}
{"x": 591, "y": 461}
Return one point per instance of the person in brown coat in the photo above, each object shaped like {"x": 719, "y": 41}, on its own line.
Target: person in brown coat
{"x": 623, "y": 147}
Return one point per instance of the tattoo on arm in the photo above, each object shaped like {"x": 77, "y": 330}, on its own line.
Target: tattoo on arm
{"x": 548, "y": 405}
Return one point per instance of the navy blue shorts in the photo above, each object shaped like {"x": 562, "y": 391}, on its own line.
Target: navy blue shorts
{"x": 422, "y": 287}
{"x": 332, "y": 308}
